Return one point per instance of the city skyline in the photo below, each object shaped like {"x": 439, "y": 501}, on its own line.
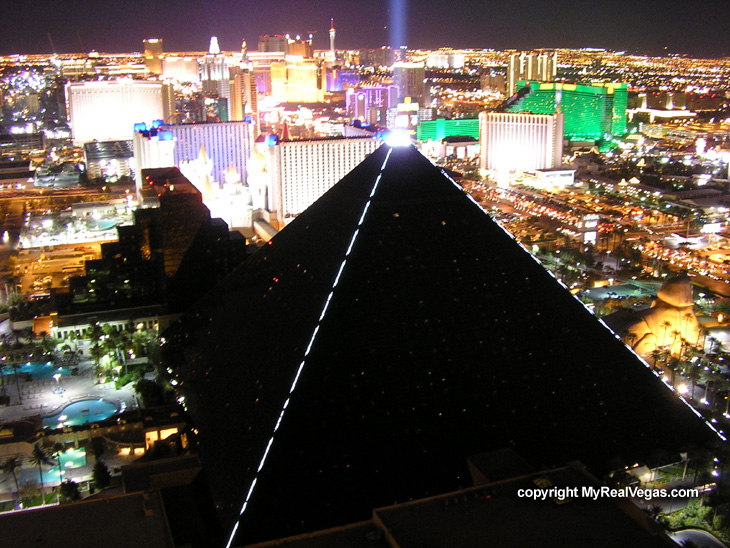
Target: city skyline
{"x": 653, "y": 27}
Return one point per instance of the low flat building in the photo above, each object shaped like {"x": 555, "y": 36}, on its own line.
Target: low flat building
{"x": 108, "y": 158}
{"x": 495, "y": 515}
{"x": 111, "y": 522}
{"x": 547, "y": 179}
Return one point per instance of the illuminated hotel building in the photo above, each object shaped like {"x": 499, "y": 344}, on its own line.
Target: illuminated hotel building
{"x": 445, "y": 60}
{"x": 592, "y": 111}
{"x": 274, "y": 43}
{"x": 226, "y": 143}
{"x": 287, "y": 45}
{"x": 411, "y": 80}
{"x": 152, "y": 149}
{"x": 182, "y": 69}
{"x": 301, "y": 47}
{"x": 520, "y": 142}
{"x": 153, "y": 55}
{"x": 371, "y": 104}
{"x": 214, "y": 74}
{"x": 107, "y": 111}
{"x": 301, "y": 171}
{"x": 243, "y": 98}
{"x": 530, "y": 66}
{"x": 436, "y": 130}
{"x": 297, "y": 80}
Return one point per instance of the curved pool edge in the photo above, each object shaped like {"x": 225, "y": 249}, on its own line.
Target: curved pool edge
{"x": 57, "y": 411}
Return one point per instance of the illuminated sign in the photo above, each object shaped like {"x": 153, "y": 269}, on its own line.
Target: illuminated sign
{"x": 711, "y": 228}
{"x": 704, "y": 179}
{"x": 590, "y": 221}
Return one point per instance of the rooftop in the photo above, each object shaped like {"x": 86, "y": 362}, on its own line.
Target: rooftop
{"x": 140, "y": 516}
{"x": 494, "y": 516}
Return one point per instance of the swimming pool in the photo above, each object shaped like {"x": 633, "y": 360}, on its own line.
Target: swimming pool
{"x": 70, "y": 459}
{"x": 82, "y": 412}
{"x": 37, "y": 370}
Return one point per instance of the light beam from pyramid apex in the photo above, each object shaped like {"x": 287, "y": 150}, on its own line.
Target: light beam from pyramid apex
{"x": 398, "y": 138}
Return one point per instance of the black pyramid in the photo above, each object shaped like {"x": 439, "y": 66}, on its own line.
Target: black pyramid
{"x": 388, "y": 332}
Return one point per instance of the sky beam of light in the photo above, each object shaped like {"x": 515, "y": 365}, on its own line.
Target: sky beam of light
{"x": 397, "y": 23}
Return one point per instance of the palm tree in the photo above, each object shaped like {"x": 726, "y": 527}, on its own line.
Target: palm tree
{"x": 29, "y": 335}
{"x": 94, "y": 333}
{"x": 654, "y": 511}
{"x": 723, "y": 385}
{"x": 713, "y": 344}
{"x": 673, "y": 364}
{"x": 687, "y": 317}
{"x": 693, "y": 372}
{"x": 11, "y": 465}
{"x": 683, "y": 348}
{"x": 55, "y": 453}
{"x": 48, "y": 343}
{"x": 68, "y": 491}
{"x": 655, "y": 355}
{"x": 701, "y": 335}
{"x": 38, "y": 458}
{"x": 676, "y": 334}
{"x": 15, "y": 367}
{"x": 666, "y": 325}
{"x": 140, "y": 340}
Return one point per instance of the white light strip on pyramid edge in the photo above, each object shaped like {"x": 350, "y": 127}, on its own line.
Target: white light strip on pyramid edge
{"x": 719, "y": 434}
{"x": 309, "y": 347}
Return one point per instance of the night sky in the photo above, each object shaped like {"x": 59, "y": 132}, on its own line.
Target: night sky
{"x": 698, "y": 28}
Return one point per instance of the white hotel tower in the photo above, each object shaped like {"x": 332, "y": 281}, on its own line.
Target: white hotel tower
{"x": 297, "y": 173}
{"x": 107, "y": 111}
{"x": 520, "y": 142}
{"x": 226, "y": 143}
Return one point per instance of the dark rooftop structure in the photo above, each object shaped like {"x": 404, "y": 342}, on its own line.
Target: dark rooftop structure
{"x": 182, "y": 486}
{"x": 387, "y": 333}
{"x": 107, "y": 150}
{"x": 172, "y": 254}
{"x": 495, "y": 516}
{"x": 165, "y": 504}
{"x": 497, "y": 465}
{"x": 13, "y": 170}
{"x": 114, "y": 522}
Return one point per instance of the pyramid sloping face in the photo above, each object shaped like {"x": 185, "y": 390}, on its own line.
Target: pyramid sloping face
{"x": 441, "y": 338}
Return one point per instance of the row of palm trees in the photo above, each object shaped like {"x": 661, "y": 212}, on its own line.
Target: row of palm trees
{"x": 117, "y": 345}
{"x": 693, "y": 363}
{"x": 39, "y": 457}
